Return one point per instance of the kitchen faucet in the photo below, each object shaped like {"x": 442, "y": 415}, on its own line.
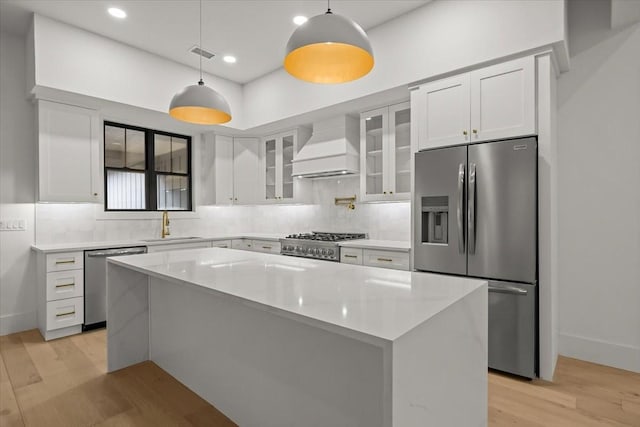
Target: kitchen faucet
{"x": 165, "y": 224}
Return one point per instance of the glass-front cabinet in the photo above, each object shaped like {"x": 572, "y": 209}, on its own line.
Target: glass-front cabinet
{"x": 277, "y": 152}
{"x": 385, "y": 153}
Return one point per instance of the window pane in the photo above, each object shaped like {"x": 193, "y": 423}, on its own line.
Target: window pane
{"x": 179, "y": 155}
{"x": 173, "y": 192}
{"x": 162, "y": 153}
{"x": 125, "y": 190}
{"x": 135, "y": 149}
{"x": 113, "y": 147}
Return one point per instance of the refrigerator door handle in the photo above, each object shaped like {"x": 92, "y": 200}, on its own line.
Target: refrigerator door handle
{"x": 508, "y": 290}
{"x": 471, "y": 218}
{"x": 460, "y": 207}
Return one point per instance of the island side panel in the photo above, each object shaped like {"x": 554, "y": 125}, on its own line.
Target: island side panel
{"x": 262, "y": 369}
{"x": 127, "y": 317}
{"x": 440, "y": 368}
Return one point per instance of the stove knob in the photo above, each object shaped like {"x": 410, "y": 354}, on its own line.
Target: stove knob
{"x": 298, "y": 249}
{"x": 304, "y": 250}
{"x": 324, "y": 252}
{"x": 330, "y": 252}
{"x": 313, "y": 251}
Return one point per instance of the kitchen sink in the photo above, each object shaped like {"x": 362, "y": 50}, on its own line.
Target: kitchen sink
{"x": 168, "y": 239}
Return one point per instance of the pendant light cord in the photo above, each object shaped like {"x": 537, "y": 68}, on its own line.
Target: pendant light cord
{"x": 201, "y": 82}
{"x": 329, "y": 7}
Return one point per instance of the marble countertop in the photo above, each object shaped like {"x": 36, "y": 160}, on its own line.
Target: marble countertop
{"x": 391, "y": 245}
{"x": 81, "y": 246}
{"x": 377, "y": 302}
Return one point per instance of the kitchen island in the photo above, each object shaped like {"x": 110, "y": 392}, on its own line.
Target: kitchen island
{"x": 283, "y": 341}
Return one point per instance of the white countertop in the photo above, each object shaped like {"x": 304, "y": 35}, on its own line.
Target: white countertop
{"x": 391, "y": 245}
{"x": 378, "y": 302}
{"x": 81, "y": 246}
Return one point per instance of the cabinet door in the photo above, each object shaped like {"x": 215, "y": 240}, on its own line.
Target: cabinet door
{"x": 69, "y": 155}
{"x": 246, "y": 167}
{"x": 373, "y": 143}
{"x": 288, "y": 146}
{"x": 268, "y": 154}
{"x": 446, "y": 112}
{"x": 223, "y": 165}
{"x": 503, "y": 100}
{"x": 399, "y": 151}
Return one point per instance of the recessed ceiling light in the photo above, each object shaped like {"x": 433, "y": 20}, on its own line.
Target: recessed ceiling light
{"x": 299, "y": 20}
{"x": 229, "y": 59}
{"x": 117, "y": 13}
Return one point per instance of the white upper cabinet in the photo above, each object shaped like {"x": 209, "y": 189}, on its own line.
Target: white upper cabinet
{"x": 276, "y": 154}
{"x": 223, "y": 170}
{"x": 69, "y": 168}
{"x": 246, "y": 167}
{"x": 490, "y": 103}
{"x": 385, "y": 168}
{"x": 503, "y": 100}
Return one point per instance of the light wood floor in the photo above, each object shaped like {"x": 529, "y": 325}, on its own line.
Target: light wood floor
{"x": 64, "y": 383}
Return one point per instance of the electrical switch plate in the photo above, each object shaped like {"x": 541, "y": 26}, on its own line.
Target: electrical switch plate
{"x": 13, "y": 225}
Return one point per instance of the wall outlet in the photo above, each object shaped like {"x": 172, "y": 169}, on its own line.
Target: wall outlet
{"x": 13, "y": 224}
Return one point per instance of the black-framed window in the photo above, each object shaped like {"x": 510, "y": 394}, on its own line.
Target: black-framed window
{"x": 146, "y": 169}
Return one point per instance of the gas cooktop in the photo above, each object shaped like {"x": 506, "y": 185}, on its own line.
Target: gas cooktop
{"x": 316, "y": 244}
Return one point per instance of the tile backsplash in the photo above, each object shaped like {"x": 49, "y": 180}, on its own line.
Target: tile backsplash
{"x": 67, "y": 223}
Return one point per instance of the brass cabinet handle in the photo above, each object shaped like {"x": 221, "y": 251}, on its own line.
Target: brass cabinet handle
{"x": 475, "y": 131}
{"x": 69, "y": 261}
{"x": 384, "y": 192}
{"x": 66, "y": 285}
{"x": 95, "y": 194}
{"x": 68, "y": 313}
{"x": 385, "y": 259}
{"x": 266, "y": 247}
{"x": 464, "y": 132}
{"x": 222, "y": 246}
{"x": 350, "y": 256}
{"x": 390, "y": 192}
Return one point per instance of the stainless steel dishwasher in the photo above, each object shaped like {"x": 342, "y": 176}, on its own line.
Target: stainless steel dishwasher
{"x": 95, "y": 284}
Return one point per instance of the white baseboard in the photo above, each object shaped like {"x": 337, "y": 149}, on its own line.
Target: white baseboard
{"x": 601, "y": 352}
{"x": 17, "y": 322}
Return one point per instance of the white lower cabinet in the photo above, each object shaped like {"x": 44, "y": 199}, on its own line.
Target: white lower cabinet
{"x": 243, "y": 244}
{"x": 226, "y": 244}
{"x": 386, "y": 259}
{"x": 64, "y": 313}
{"x": 60, "y": 278}
{"x": 351, "y": 256}
{"x": 267, "y": 246}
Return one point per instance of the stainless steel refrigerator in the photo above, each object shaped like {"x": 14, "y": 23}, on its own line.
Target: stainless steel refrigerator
{"x": 476, "y": 215}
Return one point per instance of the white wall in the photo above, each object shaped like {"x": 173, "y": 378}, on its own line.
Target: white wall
{"x": 437, "y": 38}
{"x": 17, "y": 189}
{"x": 599, "y": 194}
{"x": 74, "y": 60}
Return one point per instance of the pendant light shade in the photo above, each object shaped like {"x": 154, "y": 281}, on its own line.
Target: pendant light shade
{"x": 198, "y": 103}
{"x": 329, "y": 48}
{"x": 201, "y": 105}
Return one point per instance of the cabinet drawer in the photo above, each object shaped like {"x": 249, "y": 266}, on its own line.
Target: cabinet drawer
{"x": 65, "y": 261}
{"x": 386, "y": 259}
{"x": 351, "y": 256}
{"x": 64, "y": 313}
{"x": 267, "y": 246}
{"x": 243, "y": 244}
{"x": 221, "y": 244}
{"x": 65, "y": 284}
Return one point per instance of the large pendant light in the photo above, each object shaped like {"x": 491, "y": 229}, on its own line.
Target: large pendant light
{"x": 198, "y": 103}
{"x": 329, "y": 48}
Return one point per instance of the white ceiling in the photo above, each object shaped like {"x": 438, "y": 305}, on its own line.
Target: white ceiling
{"x": 255, "y": 31}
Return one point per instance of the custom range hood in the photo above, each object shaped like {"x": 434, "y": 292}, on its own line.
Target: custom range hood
{"x": 332, "y": 150}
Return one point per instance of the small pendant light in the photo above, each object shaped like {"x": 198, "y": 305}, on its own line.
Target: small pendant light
{"x": 328, "y": 48}
{"x": 198, "y": 103}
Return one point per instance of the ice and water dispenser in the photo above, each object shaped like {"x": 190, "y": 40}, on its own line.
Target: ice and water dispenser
{"x": 435, "y": 213}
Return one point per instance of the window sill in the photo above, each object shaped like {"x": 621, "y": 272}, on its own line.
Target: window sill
{"x": 102, "y": 215}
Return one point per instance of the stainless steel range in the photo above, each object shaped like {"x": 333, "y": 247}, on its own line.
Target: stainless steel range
{"x": 316, "y": 245}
